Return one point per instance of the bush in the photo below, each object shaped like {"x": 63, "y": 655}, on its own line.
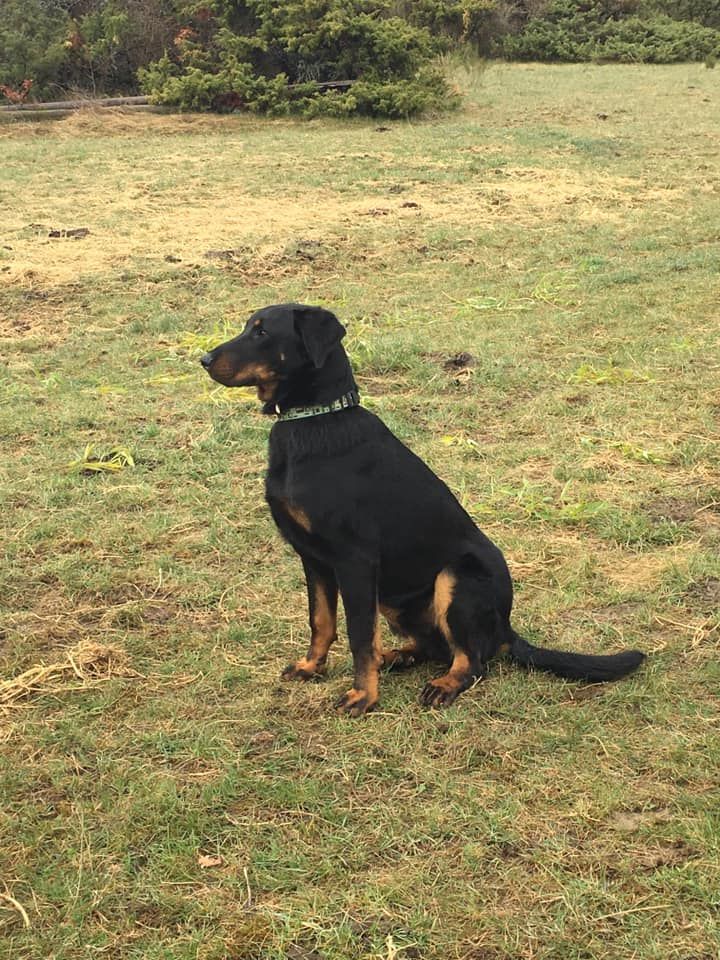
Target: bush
{"x": 601, "y": 30}
{"x": 705, "y": 12}
{"x": 291, "y": 47}
{"x": 393, "y": 98}
{"x": 273, "y": 57}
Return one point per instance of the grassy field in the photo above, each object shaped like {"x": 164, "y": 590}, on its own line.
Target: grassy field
{"x": 163, "y": 795}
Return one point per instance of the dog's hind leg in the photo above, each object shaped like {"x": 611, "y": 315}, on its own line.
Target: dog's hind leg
{"x": 322, "y": 601}
{"x": 464, "y": 609}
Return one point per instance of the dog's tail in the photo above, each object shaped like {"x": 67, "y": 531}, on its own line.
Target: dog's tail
{"x": 574, "y": 666}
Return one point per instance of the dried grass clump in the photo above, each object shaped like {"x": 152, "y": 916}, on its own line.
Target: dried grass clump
{"x": 87, "y": 661}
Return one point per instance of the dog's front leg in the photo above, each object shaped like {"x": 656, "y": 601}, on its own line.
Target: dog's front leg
{"x": 322, "y": 592}
{"x": 358, "y": 587}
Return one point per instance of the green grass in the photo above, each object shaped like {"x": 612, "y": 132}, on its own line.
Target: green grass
{"x": 576, "y": 259}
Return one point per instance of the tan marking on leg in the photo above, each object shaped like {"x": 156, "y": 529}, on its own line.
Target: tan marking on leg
{"x": 442, "y": 691}
{"x": 323, "y": 634}
{"x": 370, "y": 676}
{"x": 324, "y": 627}
{"x": 456, "y": 675}
{"x": 444, "y": 592}
{"x": 363, "y": 696}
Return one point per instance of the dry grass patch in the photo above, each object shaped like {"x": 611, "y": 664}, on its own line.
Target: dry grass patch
{"x": 87, "y": 662}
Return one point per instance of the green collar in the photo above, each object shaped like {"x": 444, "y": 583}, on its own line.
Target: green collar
{"x": 350, "y": 399}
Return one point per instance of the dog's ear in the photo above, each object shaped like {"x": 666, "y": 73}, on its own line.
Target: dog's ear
{"x": 320, "y": 331}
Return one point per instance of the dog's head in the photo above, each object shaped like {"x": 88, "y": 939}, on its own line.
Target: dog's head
{"x": 278, "y": 344}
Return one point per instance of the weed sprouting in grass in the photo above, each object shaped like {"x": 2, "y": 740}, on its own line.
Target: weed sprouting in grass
{"x": 628, "y": 449}
{"x": 456, "y": 440}
{"x": 382, "y": 348}
{"x": 498, "y": 304}
{"x": 588, "y": 373}
{"x": 557, "y": 289}
{"x": 227, "y": 396}
{"x": 113, "y": 460}
{"x": 196, "y": 342}
{"x": 163, "y": 380}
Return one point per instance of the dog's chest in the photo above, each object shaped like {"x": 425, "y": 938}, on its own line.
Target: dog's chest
{"x": 283, "y": 492}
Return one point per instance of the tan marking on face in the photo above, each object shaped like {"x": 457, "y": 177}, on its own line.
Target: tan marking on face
{"x": 265, "y": 380}
{"x": 221, "y": 368}
{"x": 444, "y": 591}
{"x": 253, "y": 374}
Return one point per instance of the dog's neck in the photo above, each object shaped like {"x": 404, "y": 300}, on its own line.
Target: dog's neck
{"x": 314, "y": 386}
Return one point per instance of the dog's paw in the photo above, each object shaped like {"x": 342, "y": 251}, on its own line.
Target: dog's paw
{"x": 355, "y": 703}
{"x": 303, "y": 670}
{"x": 397, "y": 660}
{"x": 440, "y": 693}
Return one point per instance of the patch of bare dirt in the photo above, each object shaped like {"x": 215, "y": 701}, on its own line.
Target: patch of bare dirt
{"x": 675, "y": 509}
{"x": 663, "y": 855}
{"x": 704, "y": 593}
{"x": 615, "y": 613}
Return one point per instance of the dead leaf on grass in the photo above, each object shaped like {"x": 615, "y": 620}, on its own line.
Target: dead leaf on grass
{"x": 205, "y": 861}
{"x": 260, "y": 741}
{"x": 630, "y": 821}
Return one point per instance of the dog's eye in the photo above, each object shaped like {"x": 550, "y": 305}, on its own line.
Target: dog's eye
{"x": 259, "y": 332}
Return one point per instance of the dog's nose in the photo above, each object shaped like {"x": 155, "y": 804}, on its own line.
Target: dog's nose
{"x": 206, "y": 360}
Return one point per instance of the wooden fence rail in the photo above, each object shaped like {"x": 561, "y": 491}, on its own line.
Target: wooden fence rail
{"x": 56, "y": 107}
{"x": 76, "y": 104}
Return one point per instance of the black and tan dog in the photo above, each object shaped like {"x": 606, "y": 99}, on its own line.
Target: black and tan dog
{"x": 371, "y": 521}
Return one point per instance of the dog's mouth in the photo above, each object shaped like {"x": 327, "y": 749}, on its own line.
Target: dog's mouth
{"x": 251, "y": 375}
